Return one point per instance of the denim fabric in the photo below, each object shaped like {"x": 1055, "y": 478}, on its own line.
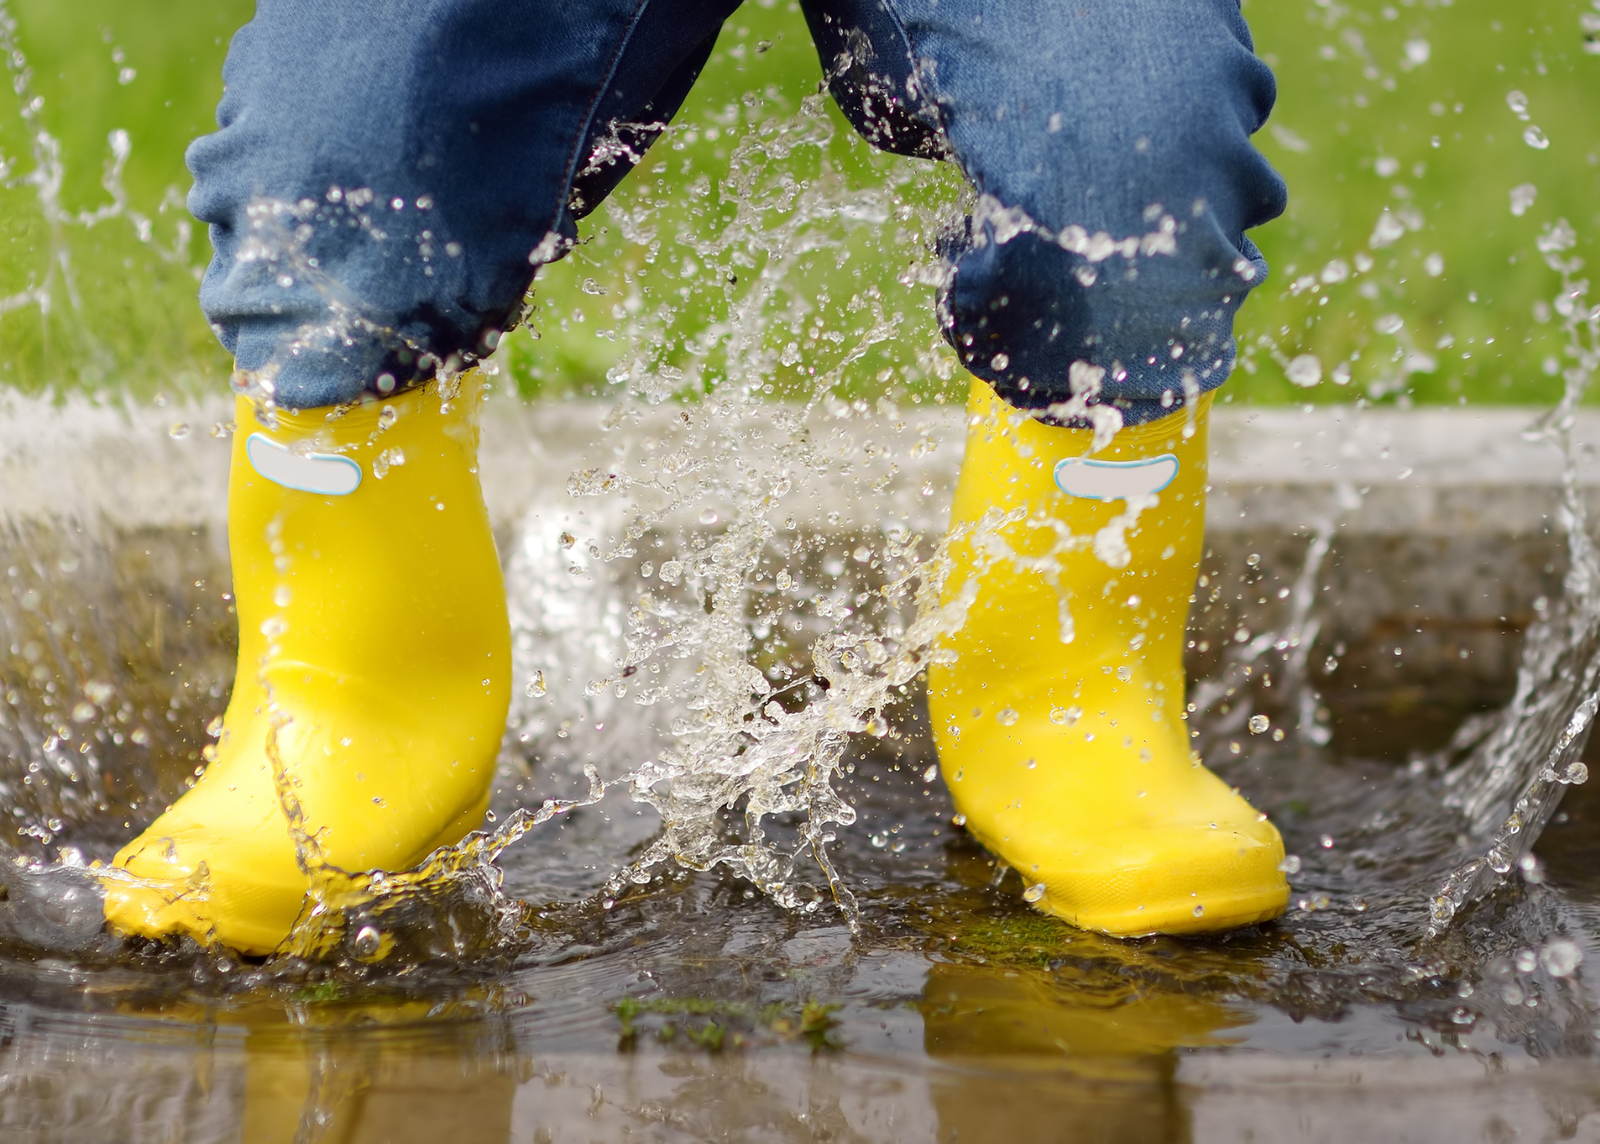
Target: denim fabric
{"x": 388, "y": 176}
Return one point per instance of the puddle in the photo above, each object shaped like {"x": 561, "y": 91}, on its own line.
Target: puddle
{"x": 694, "y": 1006}
{"x": 714, "y": 561}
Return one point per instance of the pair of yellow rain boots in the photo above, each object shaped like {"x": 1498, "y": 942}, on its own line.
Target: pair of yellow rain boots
{"x": 375, "y": 663}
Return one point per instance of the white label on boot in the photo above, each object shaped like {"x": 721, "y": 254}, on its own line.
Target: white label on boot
{"x": 327, "y": 474}
{"x": 1115, "y": 480}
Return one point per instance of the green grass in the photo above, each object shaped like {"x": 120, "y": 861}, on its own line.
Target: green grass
{"x": 1359, "y": 127}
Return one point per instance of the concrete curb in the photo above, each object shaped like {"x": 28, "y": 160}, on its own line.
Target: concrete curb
{"x": 1432, "y": 471}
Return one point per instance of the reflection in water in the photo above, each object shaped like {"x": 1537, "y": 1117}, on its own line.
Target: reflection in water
{"x": 978, "y": 1010}
{"x": 1098, "y": 1058}
{"x": 369, "y": 1090}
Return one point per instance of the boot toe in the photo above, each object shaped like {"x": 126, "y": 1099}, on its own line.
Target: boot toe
{"x": 1169, "y": 879}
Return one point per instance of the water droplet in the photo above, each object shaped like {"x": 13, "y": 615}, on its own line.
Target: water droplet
{"x": 1526, "y": 961}
{"x": 535, "y": 686}
{"x": 877, "y": 726}
{"x": 368, "y": 940}
{"x": 708, "y": 516}
{"x": 1065, "y": 716}
{"x": 1199, "y": 911}
{"x": 671, "y": 572}
{"x": 931, "y": 773}
{"x": 958, "y": 820}
{"x": 83, "y": 712}
{"x": 1577, "y": 774}
{"x": 1535, "y": 138}
{"x": 1560, "y": 957}
{"x": 386, "y": 460}
{"x": 1290, "y": 864}
{"x": 179, "y": 431}
{"x": 1124, "y": 673}
{"x": 1259, "y": 724}
{"x": 878, "y": 839}
{"x": 281, "y": 595}
{"x": 1006, "y": 717}
{"x": 1326, "y": 842}
{"x": 608, "y": 903}
{"x": 1304, "y": 370}
{"x": 1034, "y": 892}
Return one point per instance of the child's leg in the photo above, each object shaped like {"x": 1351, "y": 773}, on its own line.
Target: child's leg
{"x": 383, "y": 187}
{"x": 1080, "y": 126}
{"x": 1096, "y": 284}
{"x": 427, "y": 157}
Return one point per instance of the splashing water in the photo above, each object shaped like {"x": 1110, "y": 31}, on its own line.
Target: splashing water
{"x": 1519, "y": 760}
{"x": 693, "y": 631}
{"x": 767, "y": 745}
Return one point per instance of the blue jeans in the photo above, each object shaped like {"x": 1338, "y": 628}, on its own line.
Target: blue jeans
{"x": 425, "y": 157}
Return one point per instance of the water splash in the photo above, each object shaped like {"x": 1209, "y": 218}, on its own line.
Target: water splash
{"x": 738, "y": 743}
{"x": 1519, "y": 761}
{"x": 59, "y": 280}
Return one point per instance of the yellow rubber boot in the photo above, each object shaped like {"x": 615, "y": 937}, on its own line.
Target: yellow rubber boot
{"x": 372, "y": 617}
{"x": 1062, "y": 734}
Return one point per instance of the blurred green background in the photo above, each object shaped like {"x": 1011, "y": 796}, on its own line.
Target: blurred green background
{"x": 762, "y": 242}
